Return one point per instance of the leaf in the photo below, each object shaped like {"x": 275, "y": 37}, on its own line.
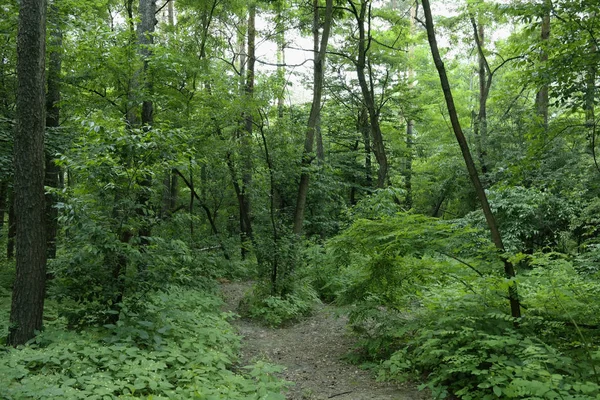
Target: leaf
{"x": 497, "y": 390}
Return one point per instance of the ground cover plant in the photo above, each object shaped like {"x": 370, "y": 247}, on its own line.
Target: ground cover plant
{"x": 179, "y": 346}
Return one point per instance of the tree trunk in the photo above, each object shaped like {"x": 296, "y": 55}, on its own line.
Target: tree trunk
{"x": 169, "y": 199}
{"x": 364, "y": 43}
{"x": 481, "y": 122}
{"x": 315, "y": 110}
{"x": 30, "y": 283}
{"x": 590, "y": 92}
{"x": 280, "y": 39}
{"x": 52, "y": 124}
{"x": 464, "y": 147}
{"x": 131, "y": 116}
{"x": 365, "y": 130}
{"x": 318, "y": 133}
{"x": 408, "y": 199}
{"x": 246, "y": 137}
{"x": 147, "y": 9}
{"x": 542, "y": 96}
{"x": 171, "y": 13}
{"x": 319, "y": 139}
{"x": 410, "y": 123}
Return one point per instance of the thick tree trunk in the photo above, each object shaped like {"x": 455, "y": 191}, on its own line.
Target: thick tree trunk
{"x": 464, "y": 147}
{"x": 30, "y": 283}
{"x": 52, "y": 123}
{"x": 315, "y": 111}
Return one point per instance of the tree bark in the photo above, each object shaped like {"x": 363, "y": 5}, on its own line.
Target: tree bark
{"x": 481, "y": 122}
{"x": 315, "y": 111}
{"x": 464, "y": 147}
{"x": 30, "y": 283}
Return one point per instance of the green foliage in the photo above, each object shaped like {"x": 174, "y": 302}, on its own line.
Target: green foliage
{"x": 392, "y": 256}
{"x": 179, "y": 347}
{"x": 529, "y": 219}
{"x": 274, "y": 310}
{"x": 93, "y": 278}
{"x": 381, "y": 203}
{"x": 429, "y": 301}
{"x": 460, "y": 358}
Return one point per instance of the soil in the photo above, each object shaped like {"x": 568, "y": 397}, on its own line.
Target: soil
{"x": 312, "y": 352}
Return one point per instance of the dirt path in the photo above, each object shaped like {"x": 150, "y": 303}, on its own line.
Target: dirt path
{"x": 311, "y": 351}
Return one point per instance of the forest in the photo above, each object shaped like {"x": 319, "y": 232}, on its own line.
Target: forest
{"x": 429, "y": 170}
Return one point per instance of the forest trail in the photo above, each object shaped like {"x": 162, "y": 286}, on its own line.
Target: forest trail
{"x": 312, "y": 351}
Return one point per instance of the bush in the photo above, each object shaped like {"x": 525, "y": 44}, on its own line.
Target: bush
{"x": 429, "y": 303}
{"x": 473, "y": 364}
{"x": 180, "y": 347}
{"x": 275, "y": 310}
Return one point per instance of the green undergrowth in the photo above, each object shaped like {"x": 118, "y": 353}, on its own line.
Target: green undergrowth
{"x": 276, "y": 310}
{"x": 178, "y": 346}
{"x": 428, "y": 301}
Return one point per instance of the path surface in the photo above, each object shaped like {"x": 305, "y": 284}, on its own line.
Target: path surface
{"x": 311, "y": 351}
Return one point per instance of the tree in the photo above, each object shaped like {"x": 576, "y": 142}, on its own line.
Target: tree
{"x": 30, "y": 283}
{"x": 464, "y": 147}
{"x": 542, "y": 96}
{"x": 363, "y": 15}
{"x": 315, "y": 109}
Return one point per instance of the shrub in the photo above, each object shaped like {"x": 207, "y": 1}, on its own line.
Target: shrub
{"x": 275, "y": 310}
{"x": 179, "y": 347}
